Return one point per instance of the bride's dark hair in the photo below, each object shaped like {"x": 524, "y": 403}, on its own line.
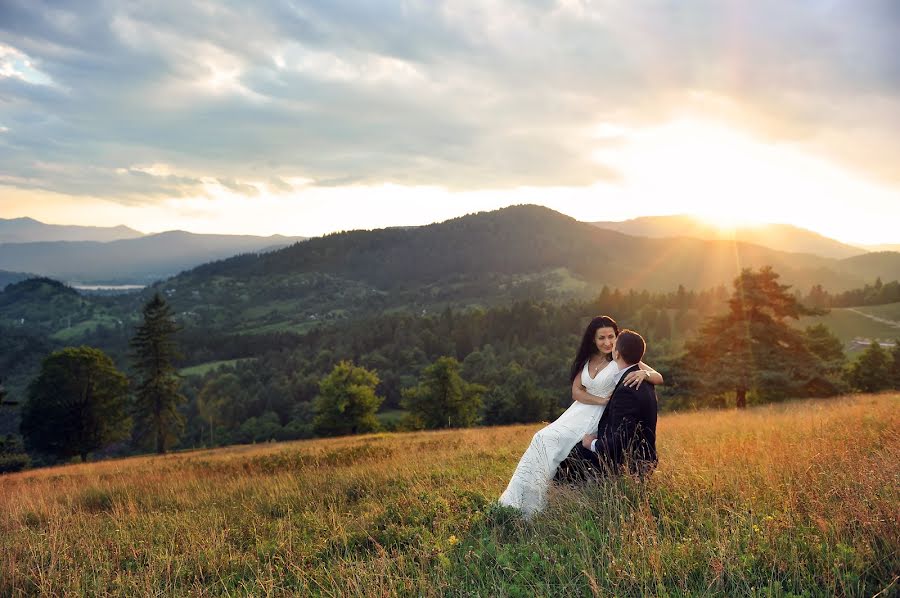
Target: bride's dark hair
{"x": 588, "y": 346}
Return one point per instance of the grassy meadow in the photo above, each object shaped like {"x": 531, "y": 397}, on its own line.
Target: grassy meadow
{"x": 801, "y": 498}
{"x": 849, "y": 323}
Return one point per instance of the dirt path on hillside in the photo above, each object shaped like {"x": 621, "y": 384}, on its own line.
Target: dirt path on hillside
{"x": 892, "y": 323}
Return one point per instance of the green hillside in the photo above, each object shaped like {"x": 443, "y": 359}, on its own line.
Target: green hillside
{"x": 480, "y": 260}
{"x": 848, "y": 323}
{"x": 891, "y": 311}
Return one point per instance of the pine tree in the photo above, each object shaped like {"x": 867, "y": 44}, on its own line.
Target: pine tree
{"x": 752, "y": 348}
{"x": 76, "y": 405}
{"x": 157, "y": 398}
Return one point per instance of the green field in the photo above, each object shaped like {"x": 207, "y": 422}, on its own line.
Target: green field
{"x": 82, "y": 328}
{"x": 204, "y": 368}
{"x": 891, "y": 311}
{"x": 847, "y": 324}
{"x": 796, "y": 499}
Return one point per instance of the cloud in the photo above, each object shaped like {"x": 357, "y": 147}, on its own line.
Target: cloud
{"x": 464, "y": 95}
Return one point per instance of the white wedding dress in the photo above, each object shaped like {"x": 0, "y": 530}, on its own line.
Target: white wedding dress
{"x": 527, "y": 490}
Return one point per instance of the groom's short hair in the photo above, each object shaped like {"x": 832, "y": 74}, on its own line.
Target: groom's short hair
{"x": 630, "y": 346}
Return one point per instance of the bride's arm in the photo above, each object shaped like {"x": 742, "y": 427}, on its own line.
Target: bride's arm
{"x": 644, "y": 373}
{"x": 581, "y": 395}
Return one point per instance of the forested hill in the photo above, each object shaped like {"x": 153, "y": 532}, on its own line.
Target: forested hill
{"x": 517, "y": 240}
{"x": 530, "y": 239}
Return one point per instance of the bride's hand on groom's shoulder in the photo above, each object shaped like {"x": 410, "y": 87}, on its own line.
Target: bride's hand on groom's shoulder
{"x": 635, "y": 378}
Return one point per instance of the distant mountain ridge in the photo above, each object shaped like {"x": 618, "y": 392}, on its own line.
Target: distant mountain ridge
{"x": 138, "y": 260}
{"x": 517, "y": 242}
{"x": 528, "y": 239}
{"x": 29, "y": 230}
{"x": 480, "y": 260}
{"x": 884, "y": 247}
{"x": 781, "y": 237}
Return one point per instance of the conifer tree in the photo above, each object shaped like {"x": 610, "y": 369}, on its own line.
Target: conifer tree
{"x": 158, "y": 421}
{"x": 752, "y": 347}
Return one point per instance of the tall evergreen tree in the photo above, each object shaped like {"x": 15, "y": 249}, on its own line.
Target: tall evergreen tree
{"x": 157, "y": 397}
{"x": 76, "y": 405}
{"x": 751, "y": 347}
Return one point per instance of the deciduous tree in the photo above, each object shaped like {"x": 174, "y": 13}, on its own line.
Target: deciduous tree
{"x": 76, "y": 405}
{"x": 872, "y": 371}
{"x": 442, "y": 398}
{"x": 346, "y": 403}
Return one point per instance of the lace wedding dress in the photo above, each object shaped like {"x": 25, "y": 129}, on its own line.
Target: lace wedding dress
{"x": 527, "y": 490}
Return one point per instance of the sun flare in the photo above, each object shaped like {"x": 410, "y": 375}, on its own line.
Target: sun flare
{"x": 729, "y": 178}
{"x": 725, "y": 220}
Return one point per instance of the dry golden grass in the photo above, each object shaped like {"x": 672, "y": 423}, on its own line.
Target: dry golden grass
{"x": 794, "y": 499}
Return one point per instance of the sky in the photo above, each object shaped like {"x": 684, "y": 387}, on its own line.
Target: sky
{"x": 307, "y": 117}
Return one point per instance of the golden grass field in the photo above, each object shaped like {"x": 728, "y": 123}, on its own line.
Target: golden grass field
{"x": 799, "y": 499}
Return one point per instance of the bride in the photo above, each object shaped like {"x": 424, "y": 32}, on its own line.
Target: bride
{"x": 594, "y": 376}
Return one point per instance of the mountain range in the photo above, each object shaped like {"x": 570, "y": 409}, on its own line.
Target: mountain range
{"x": 138, "y": 260}
{"x": 520, "y": 243}
{"x": 484, "y": 259}
{"x": 884, "y": 247}
{"x": 527, "y": 239}
{"x": 29, "y": 230}
{"x": 782, "y": 237}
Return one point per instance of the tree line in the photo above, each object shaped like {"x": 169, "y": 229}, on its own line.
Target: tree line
{"x": 878, "y": 293}
{"x": 453, "y": 369}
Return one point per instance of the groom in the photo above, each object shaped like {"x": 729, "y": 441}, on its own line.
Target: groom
{"x": 626, "y": 435}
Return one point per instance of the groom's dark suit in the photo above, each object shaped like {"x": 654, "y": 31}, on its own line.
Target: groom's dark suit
{"x": 626, "y": 435}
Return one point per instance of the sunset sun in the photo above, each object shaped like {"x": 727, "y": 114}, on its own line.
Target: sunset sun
{"x": 729, "y": 177}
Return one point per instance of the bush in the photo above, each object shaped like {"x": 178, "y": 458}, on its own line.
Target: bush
{"x": 13, "y": 462}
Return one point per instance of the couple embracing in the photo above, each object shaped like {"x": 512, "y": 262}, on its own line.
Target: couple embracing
{"x": 610, "y": 425}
